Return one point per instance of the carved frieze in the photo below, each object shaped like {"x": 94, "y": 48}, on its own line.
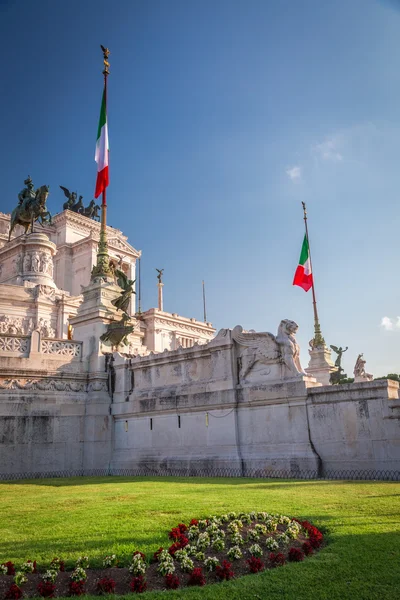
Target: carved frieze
{"x": 56, "y": 385}
{"x": 16, "y": 325}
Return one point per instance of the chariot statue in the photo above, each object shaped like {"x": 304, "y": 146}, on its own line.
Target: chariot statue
{"x": 91, "y": 211}
{"x": 31, "y": 207}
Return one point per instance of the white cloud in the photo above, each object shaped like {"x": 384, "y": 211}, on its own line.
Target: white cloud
{"x": 293, "y": 173}
{"x": 329, "y": 149}
{"x": 390, "y": 324}
{"x": 387, "y": 323}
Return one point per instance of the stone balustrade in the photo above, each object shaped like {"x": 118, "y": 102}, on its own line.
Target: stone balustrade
{"x": 14, "y": 345}
{"x": 27, "y": 346}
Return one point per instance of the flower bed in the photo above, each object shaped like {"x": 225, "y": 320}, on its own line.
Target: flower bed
{"x": 203, "y": 552}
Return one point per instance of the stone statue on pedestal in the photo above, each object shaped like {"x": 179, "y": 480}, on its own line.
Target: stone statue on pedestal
{"x": 359, "y": 370}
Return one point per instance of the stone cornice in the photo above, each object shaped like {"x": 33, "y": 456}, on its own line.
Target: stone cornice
{"x": 153, "y": 315}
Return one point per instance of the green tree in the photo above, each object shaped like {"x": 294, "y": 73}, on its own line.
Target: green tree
{"x": 392, "y": 376}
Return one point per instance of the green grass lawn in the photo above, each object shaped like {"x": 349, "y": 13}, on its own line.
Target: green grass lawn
{"x": 41, "y": 519}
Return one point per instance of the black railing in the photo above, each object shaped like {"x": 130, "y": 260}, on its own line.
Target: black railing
{"x": 152, "y": 470}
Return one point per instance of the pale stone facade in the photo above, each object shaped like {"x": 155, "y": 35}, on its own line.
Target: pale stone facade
{"x": 174, "y": 395}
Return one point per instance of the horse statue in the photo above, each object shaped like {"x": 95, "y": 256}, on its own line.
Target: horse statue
{"x": 78, "y": 206}
{"x": 31, "y": 210}
{"x": 91, "y": 211}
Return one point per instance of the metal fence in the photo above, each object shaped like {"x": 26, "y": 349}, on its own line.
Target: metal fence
{"x": 198, "y": 471}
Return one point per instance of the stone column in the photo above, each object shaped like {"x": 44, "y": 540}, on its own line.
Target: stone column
{"x": 160, "y": 296}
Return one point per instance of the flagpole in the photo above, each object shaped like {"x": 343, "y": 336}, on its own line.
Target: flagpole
{"x": 318, "y": 340}
{"x": 102, "y": 268}
{"x": 204, "y": 303}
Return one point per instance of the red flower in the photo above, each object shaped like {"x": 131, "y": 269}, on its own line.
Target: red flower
{"x": 171, "y": 582}
{"x": 174, "y": 533}
{"x": 180, "y": 543}
{"x": 196, "y": 577}
{"x": 224, "y": 571}
{"x": 315, "y": 536}
{"x": 193, "y": 522}
{"x": 307, "y": 548}
{"x": 277, "y": 560}
{"x": 106, "y": 585}
{"x": 46, "y": 589}
{"x": 295, "y": 555}
{"x": 10, "y": 567}
{"x": 14, "y": 593}
{"x": 76, "y": 588}
{"x": 141, "y": 554}
{"x": 255, "y": 564}
{"x": 138, "y": 584}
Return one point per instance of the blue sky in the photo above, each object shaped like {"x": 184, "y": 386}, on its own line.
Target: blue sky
{"x": 223, "y": 116}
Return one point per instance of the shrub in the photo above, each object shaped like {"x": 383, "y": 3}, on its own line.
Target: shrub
{"x": 138, "y": 585}
{"x": 83, "y": 561}
{"x": 307, "y": 548}
{"x": 46, "y": 589}
{"x": 106, "y": 585}
{"x": 13, "y": 593}
{"x": 224, "y": 571}
{"x": 196, "y": 577}
{"x": 57, "y": 564}
{"x": 256, "y": 550}
{"x": 218, "y": 544}
{"x": 110, "y": 561}
{"x": 157, "y": 553}
{"x": 138, "y": 566}
{"x": 271, "y": 544}
{"x": 211, "y": 563}
{"x": 50, "y": 575}
{"x": 29, "y": 566}
{"x": 255, "y": 564}
{"x": 235, "y": 553}
{"x": 10, "y": 567}
{"x": 76, "y": 588}
{"x": 277, "y": 560}
{"x": 295, "y": 555}
{"x": 20, "y": 578}
{"x": 172, "y": 582}
{"x": 78, "y": 574}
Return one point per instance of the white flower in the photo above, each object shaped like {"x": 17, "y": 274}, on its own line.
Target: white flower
{"x": 20, "y": 578}
{"x": 50, "y": 575}
{"x": 138, "y": 566}
{"x": 27, "y": 567}
{"x": 3, "y": 570}
{"x": 256, "y": 550}
{"x": 166, "y": 565}
{"x": 187, "y": 564}
{"x": 83, "y": 561}
{"x": 79, "y": 574}
{"x": 235, "y": 553}
{"x": 211, "y": 562}
{"x": 271, "y": 544}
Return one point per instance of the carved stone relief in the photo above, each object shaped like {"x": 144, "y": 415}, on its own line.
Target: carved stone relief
{"x": 16, "y": 325}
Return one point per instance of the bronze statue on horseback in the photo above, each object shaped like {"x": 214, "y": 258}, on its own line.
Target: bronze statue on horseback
{"x": 31, "y": 207}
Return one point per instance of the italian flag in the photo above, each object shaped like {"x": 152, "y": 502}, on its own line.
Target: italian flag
{"x": 303, "y": 276}
{"x": 101, "y": 156}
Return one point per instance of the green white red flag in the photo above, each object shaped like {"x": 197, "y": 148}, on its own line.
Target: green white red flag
{"x": 303, "y": 276}
{"x": 101, "y": 155}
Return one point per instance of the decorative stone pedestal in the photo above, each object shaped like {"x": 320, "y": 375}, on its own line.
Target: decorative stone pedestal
{"x": 28, "y": 258}
{"x": 321, "y": 365}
